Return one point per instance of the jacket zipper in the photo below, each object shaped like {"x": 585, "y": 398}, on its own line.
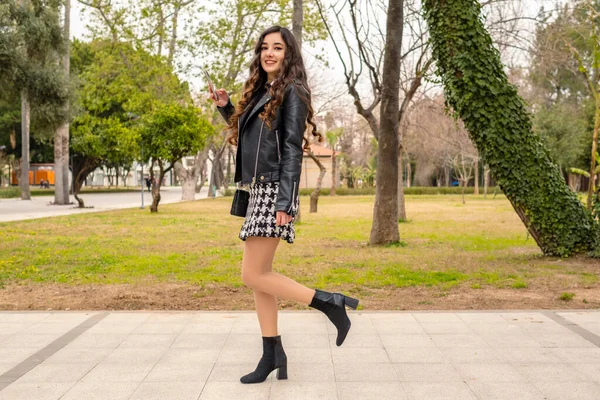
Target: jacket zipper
{"x": 278, "y": 150}
{"x": 293, "y": 198}
{"x": 257, "y": 151}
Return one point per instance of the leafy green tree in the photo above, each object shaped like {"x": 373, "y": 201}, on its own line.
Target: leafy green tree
{"x": 555, "y": 72}
{"x": 565, "y": 72}
{"x": 96, "y": 139}
{"x": 566, "y": 68}
{"x": 31, "y": 37}
{"x": 116, "y": 82}
{"x": 169, "y": 133}
{"x": 564, "y": 130}
{"x": 589, "y": 66}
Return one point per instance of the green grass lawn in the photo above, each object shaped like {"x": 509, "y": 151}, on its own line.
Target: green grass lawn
{"x": 446, "y": 245}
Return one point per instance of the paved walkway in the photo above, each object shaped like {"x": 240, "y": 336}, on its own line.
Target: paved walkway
{"x": 40, "y": 207}
{"x": 387, "y": 355}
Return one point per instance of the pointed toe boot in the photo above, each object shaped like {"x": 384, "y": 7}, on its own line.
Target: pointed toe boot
{"x": 273, "y": 358}
{"x": 334, "y": 306}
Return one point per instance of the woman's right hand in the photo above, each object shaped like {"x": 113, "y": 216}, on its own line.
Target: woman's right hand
{"x": 223, "y": 97}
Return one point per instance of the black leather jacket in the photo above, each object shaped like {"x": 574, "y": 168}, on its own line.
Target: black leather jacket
{"x": 272, "y": 155}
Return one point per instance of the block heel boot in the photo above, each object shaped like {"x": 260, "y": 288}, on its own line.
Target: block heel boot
{"x": 334, "y": 306}
{"x": 273, "y": 358}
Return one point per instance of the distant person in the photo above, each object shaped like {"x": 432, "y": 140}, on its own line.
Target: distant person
{"x": 273, "y": 113}
{"x": 148, "y": 183}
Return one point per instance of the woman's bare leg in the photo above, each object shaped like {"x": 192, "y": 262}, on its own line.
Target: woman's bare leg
{"x": 266, "y": 309}
{"x": 266, "y": 304}
{"x": 267, "y": 285}
{"x": 257, "y": 274}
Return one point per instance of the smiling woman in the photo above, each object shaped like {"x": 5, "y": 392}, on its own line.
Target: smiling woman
{"x": 268, "y": 128}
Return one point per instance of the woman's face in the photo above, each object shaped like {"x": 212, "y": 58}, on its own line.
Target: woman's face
{"x": 271, "y": 54}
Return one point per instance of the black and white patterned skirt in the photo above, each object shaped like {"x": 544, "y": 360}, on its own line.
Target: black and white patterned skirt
{"x": 260, "y": 217}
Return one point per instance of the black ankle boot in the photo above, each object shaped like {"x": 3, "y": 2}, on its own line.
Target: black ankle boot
{"x": 333, "y": 305}
{"x": 273, "y": 358}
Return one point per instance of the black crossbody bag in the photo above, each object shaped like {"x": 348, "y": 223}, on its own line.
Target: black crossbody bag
{"x": 239, "y": 207}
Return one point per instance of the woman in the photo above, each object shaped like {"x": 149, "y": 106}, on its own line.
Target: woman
{"x": 268, "y": 128}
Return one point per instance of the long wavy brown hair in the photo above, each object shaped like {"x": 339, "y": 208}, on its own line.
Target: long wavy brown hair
{"x": 292, "y": 72}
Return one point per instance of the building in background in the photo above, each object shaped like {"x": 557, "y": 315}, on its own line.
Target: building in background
{"x": 310, "y": 170}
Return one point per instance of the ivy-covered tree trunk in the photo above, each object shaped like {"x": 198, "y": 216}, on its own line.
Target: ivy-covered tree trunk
{"x": 478, "y": 91}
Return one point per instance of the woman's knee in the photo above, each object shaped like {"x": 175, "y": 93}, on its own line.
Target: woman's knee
{"x": 250, "y": 278}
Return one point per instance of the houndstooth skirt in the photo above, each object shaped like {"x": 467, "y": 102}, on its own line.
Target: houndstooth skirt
{"x": 260, "y": 217}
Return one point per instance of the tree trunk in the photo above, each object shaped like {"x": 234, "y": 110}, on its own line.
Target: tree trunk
{"x": 108, "y": 176}
{"x": 82, "y": 167}
{"x": 25, "y": 124}
{"x": 59, "y": 182}
{"x": 173, "y": 40}
{"x": 401, "y": 200}
{"x": 216, "y": 175}
{"x": 314, "y": 196}
{"x": 220, "y": 182}
{"x": 297, "y": 20}
{"x": 203, "y": 172}
{"x": 61, "y": 138}
{"x": 334, "y": 177}
{"x": 486, "y": 180}
{"x": 385, "y": 213}
{"x": 408, "y": 174}
{"x": 188, "y": 190}
{"x": 125, "y": 174}
{"x": 229, "y": 165}
{"x": 447, "y": 176}
{"x": 156, "y": 184}
{"x": 476, "y": 164}
{"x": 349, "y": 175}
{"x": 188, "y": 183}
{"x": 574, "y": 182}
{"x": 189, "y": 178}
{"x": 593, "y": 162}
{"x": 212, "y": 187}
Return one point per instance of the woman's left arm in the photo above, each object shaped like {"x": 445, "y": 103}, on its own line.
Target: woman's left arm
{"x": 294, "y": 113}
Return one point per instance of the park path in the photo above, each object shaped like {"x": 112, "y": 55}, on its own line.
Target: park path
{"x": 40, "y": 207}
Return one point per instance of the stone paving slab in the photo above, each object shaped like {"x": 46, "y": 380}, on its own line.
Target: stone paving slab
{"x": 387, "y": 355}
